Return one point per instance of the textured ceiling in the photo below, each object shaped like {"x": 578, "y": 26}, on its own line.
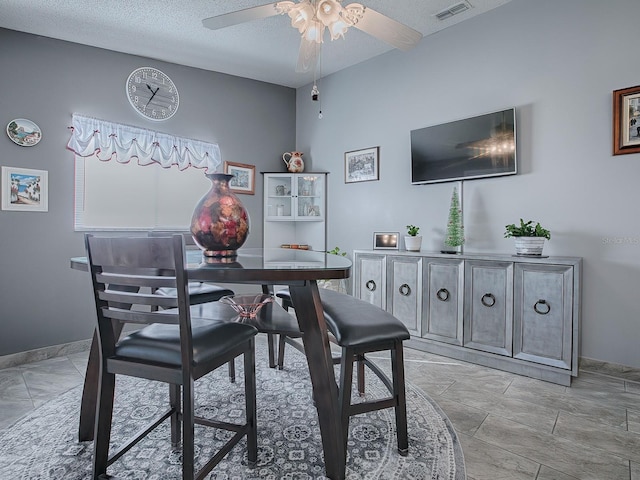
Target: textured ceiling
{"x": 172, "y": 31}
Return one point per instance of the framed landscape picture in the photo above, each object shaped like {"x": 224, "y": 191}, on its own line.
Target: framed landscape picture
{"x": 626, "y": 120}
{"x": 244, "y": 180}
{"x": 25, "y": 190}
{"x": 361, "y": 165}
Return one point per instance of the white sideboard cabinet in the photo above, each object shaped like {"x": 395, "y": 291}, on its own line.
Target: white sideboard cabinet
{"x": 518, "y": 314}
{"x": 295, "y": 210}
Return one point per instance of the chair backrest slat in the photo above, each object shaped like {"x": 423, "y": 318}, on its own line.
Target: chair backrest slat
{"x": 152, "y": 281}
{"x": 133, "y": 316}
{"x": 135, "y": 298}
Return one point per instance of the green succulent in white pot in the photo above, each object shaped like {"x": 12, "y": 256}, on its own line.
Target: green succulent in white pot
{"x": 528, "y": 237}
{"x": 413, "y": 241}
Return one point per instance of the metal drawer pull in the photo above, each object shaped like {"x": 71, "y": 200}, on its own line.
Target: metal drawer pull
{"x": 443, "y": 294}
{"x": 405, "y": 290}
{"x": 542, "y": 302}
{"x": 371, "y": 285}
{"x": 490, "y": 297}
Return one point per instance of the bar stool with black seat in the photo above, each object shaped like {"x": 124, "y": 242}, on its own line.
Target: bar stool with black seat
{"x": 359, "y": 328}
{"x": 173, "y": 347}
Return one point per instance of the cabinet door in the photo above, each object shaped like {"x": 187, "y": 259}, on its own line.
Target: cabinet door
{"x": 404, "y": 290}
{"x": 369, "y": 279}
{"x": 309, "y": 197}
{"x": 488, "y": 309}
{"x": 543, "y": 314}
{"x": 443, "y": 300}
{"x": 279, "y": 191}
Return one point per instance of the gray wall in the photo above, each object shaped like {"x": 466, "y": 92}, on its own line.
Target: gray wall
{"x": 42, "y": 301}
{"x": 557, "y": 62}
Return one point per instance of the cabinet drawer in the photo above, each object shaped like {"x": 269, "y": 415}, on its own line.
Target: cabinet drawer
{"x": 543, "y": 314}
{"x": 488, "y": 323}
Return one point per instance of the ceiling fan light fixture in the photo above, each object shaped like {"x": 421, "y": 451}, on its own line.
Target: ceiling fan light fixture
{"x": 312, "y": 17}
{"x": 314, "y": 32}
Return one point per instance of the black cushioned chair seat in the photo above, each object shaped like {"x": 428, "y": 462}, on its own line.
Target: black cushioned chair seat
{"x": 355, "y": 322}
{"x": 160, "y": 343}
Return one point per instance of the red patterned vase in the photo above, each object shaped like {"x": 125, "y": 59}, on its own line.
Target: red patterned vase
{"x": 220, "y": 223}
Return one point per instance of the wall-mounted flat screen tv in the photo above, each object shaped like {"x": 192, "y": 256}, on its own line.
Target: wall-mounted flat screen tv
{"x": 477, "y": 147}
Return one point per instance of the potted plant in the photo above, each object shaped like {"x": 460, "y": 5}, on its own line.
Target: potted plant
{"x": 529, "y": 238}
{"x": 413, "y": 241}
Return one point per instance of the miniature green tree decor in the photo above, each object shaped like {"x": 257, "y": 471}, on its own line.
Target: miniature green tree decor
{"x": 455, "y": 227}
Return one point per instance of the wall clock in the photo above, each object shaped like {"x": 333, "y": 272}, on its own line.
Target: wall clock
{"x": 152, "y": 93}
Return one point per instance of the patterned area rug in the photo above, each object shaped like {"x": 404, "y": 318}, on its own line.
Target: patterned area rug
{"x": 43, "y": 445}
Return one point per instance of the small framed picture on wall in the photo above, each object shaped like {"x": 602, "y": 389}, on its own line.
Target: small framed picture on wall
{"x": 244, "y": 180}
{"x": 361, "y": 165}
{"x": 25, "y": 190}
{"x": 626, "y": 120}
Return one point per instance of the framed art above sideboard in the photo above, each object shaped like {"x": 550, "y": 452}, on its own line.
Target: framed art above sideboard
{"x": 626, "y": 120}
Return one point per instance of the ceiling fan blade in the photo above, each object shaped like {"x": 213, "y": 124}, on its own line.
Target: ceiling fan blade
{"x": 240, "y": 16}
{"x": 308, "y": 56}
{"x": 388, "y": 30}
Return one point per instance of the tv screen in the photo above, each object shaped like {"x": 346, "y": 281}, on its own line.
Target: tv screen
{"x": 477, "y": 147}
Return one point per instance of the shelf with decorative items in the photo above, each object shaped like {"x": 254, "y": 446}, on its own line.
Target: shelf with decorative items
{"x": 295, "y": 210}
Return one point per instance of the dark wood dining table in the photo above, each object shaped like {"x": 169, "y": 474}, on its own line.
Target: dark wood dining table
{"x": 299, "y": 270}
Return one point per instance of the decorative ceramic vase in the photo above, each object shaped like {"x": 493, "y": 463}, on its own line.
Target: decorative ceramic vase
{"x": 220, "y": 223}
{"x": 295, "y": 164}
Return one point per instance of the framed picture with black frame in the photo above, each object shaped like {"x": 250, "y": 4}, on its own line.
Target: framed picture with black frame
{"x": 385, "y": 240}
{"x": 361, "y": 165}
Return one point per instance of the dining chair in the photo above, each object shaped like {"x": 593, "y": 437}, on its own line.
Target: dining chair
{"x": 360, "y": 328}
{"x": 199, "y": 292}
{"x": 172, "y": 347}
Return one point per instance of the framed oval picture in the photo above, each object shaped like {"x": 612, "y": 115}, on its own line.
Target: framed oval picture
{"x": 24, "y": 132}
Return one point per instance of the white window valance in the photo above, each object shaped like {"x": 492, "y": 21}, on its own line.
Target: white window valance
{"x": 108, "y": 140}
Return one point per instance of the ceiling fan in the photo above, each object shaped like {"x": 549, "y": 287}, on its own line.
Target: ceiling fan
{"x": 313, "y": 17}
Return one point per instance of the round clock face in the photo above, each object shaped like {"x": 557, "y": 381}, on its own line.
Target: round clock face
{"x": 152, "y": 93}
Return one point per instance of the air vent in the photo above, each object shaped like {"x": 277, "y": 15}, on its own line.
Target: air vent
{"x": 453, "y": 10}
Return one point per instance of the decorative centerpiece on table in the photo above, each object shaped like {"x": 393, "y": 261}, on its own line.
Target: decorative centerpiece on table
{"x": 529, "y": 238}
{"x": 220, "y": 223}
{"x": 413, "y": 241}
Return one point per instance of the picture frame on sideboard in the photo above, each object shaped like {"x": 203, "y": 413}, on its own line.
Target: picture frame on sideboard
{"x": 386, "y": 240}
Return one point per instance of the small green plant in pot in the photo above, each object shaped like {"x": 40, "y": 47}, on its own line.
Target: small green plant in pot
{"x": 412, "y": 241}
{"x": 529, "y": 237}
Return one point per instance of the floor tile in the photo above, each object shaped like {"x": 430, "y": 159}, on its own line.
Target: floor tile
{"x": 577, "y": 403}
{"x": 484, "y": 462}
{"x": 527, "y": 412}
{"x": 633, "y": 420}
{"x": 573, "y": 459}
{"x": 635, "y": 471}
{"x": 465, "y": 419}
{"x": 611, "y": 439}
{"x": 547, "y": 473}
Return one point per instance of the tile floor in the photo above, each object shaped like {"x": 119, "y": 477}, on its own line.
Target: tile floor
{"x": 511, "y": 427}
